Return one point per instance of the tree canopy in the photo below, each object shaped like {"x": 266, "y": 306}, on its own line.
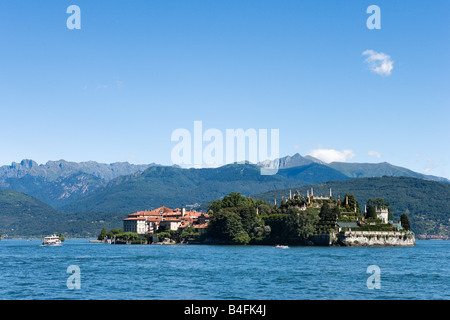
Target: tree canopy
{"x": 404, "y": 220}
{"x": 234, "y": 219}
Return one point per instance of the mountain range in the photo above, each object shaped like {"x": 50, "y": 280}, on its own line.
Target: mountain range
{"x": 60, "y": 182}
{"x": 351, "y": 170}
{"x": 89, "y": 195}
{"x": 91, "y": 186}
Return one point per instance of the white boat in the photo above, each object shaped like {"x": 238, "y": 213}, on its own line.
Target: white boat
{"x": 52, "y": 240}
{"x": 281, "y": 246}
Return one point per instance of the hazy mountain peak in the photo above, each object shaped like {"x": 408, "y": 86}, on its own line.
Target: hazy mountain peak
{"x": 55, "y": 169}
{"x": 315, "y": 160}
{"x": 27, "y": 163}
{"x": 286, "y": 162}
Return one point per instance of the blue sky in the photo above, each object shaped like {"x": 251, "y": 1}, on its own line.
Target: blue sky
{"x": 138, "y": 70}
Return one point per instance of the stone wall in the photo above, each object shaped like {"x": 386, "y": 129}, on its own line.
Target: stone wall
{"x": 376, "y": 238}
{"x": 326, "y": 239}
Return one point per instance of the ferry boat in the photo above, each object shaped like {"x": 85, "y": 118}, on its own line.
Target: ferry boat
{"x": 280, "y": 246}
{"x": 52, "y": 240}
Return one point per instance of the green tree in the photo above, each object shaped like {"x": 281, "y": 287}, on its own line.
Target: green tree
{"x": 352, "y": 203}
{"x": 114, "y": 233}
{"x": 295, "y": 201}
{"x": 300, "y": 223}
{"x": 259, "y": 230}
{"x": 225, "y": 225}
{"x": 328, "y": 214}
{"x": 390, "y": 216}
{"x": 187, "y": 231}
{"x": 336, "y": 213}
{"x": 163, "y": 235}
{"x": 378, "y": 203}
{"x": 232, "y": 200}
{"x": 325, "y": 211}
{"x": 264, "y": 208}
{"x": 102, "y": 234}
{"x": 404, "y": 220}
{"x": 276, "y": 223}
{"x": 61, "y": 237}
{"x": 127, "y": 236}
{"x": 371, "y": 212}
{"x": 241, "y": 238}
{"x": 248, "y": 217}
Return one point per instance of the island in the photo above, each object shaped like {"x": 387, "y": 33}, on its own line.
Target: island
{"x": 306, "y": 220}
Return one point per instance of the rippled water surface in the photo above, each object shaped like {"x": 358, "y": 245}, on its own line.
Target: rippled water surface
{"x": 31, "y": 271}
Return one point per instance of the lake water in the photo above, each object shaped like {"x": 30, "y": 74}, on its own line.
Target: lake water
{"x": 174, "y": 272}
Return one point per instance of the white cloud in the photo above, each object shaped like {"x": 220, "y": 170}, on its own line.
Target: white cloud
{"x": 331, "y": 155}
{"x": 119, "y": 84}
{"x": 379, "y": 62}
{"x": 101, "y": 86}
{"x": 374, "y": 154}
{"x": 431, "y": 165}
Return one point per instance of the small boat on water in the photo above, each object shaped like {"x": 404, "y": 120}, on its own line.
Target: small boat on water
{"x": 52, "y": 240}
{"x": 281, "y": 246}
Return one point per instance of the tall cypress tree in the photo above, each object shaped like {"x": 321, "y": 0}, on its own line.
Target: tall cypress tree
{"x": 404, "y": 220}
{"x": 325, "y": 211}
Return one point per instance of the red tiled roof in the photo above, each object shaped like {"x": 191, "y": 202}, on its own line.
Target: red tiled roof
{"x": 172, "y": 214}
{"x": 153, "y": 219}
{"x": 135, "y": 218}
{"x": 162, "y": 209}
{"x": 166, "y": 214}
{"x": 142, "y": 213}
{"x": 172, "y": 219}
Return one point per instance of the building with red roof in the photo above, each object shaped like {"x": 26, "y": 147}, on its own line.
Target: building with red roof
{"x": 149, "y": 222}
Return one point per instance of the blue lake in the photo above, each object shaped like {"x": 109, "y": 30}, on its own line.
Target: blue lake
{"x": 174, "y": 272}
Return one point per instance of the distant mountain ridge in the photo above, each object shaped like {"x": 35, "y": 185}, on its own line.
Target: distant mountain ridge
{"x": 352, "y": 170}
{"x": 64, "y": 184}
{"x": 312, "y": 173}
{"x": 367, "y": 170}
{"x": 22, "y": 215}
{"x": 173, "y": 187}
{"x": 56, "y": 169}
{"x": 60, "y": 182}
{"x": 19, "y": 213}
